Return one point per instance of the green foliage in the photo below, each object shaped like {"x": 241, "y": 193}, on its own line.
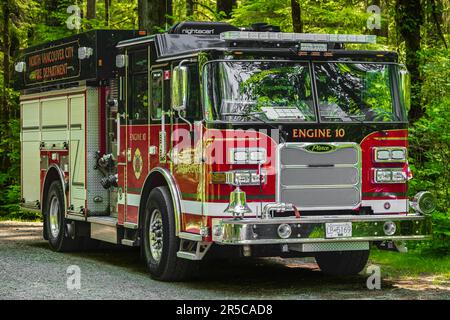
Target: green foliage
{"x": 317, "y": 16}
{"x": 412, "y": 263}
{"x": 429, "y": 149}
{"x": 122, "y": 15}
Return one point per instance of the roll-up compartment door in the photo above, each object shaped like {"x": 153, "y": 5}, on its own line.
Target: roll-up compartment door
{"x": 30, "y": 160}
{"x": 77, "y": 152}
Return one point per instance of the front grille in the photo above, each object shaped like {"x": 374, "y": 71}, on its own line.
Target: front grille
{"x": 319, "y": 180}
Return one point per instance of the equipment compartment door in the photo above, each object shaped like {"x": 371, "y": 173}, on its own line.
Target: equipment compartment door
{"x": 30, "y": 138}
{"x": 77, "y": 152}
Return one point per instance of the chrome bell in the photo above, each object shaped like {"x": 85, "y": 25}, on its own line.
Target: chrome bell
{"x": 238, "y": 204}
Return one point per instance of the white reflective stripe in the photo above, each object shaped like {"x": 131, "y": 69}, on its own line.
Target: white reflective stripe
{"x": 132, "y": 199}
{"x": 193, "y": 207}
{"x": 216, "y": 209}
{"x": 397, "y": 205}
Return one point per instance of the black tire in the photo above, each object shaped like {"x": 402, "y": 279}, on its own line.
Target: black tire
{"x": 58, "y": 238}
{"x": 342, "y": 263}
{"x": 168, "y": 267}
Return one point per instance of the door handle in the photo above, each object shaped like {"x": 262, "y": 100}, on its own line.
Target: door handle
{"x": 122, "y": 115}
{"x": 152, "y": 150}
{"x": 129, "y": 155}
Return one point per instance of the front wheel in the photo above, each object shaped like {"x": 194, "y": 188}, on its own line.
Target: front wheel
{"x": 160, "y": 243}
{"x": 342, "y": 263}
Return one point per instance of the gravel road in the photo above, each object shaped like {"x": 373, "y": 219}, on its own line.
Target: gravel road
{"x": 30, "y": 270}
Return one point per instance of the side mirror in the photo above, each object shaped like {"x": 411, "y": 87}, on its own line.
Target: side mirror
{"x": 405, "y": 87}
{"x": 179, "y": 88}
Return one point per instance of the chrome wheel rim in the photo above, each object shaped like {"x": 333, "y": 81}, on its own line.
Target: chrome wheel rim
{"x": 54, "y": 217}
{"x": 156, "y": 235}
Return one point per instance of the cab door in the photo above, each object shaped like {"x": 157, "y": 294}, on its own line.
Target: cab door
{"x": 160, "y": 119}
{"x": 137, "y": 130}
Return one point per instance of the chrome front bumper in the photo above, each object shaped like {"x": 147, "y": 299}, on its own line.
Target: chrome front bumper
{"x": 310, "y": 229}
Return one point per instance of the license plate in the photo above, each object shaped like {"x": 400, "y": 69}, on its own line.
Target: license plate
{"x": 338, "y": 230}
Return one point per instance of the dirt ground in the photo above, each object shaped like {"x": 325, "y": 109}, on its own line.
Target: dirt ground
{"x": 30, "y": 270}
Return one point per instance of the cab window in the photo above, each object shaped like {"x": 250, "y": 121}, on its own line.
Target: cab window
{"x": 193, "y": 108}
{"x": 157, "y": 83}
{"x": 138, "y": 95}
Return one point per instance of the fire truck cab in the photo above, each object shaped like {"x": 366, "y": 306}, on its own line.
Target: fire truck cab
{"x": 216, "y": 141}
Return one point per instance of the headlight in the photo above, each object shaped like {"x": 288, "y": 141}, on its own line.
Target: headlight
{"x": 424, "y": 202}
{"x": 390, "y": 154}
{"x": 284, "y": 231}
{"x": 247, "y": 155}
{"x": 388, "y": 175}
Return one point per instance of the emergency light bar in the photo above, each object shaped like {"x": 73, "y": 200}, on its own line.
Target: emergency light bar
{"x": 297, "y": 37}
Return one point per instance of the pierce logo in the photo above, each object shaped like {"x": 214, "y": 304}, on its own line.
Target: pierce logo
{"x": 320, "y": 148}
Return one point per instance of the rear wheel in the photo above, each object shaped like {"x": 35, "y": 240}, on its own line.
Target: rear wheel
{"x": 342, "y": 263}
{"x": 160, "y": 245}
{"x": 58, "y": 231}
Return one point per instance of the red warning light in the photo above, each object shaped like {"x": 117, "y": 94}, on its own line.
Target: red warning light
{"x": 167, "y": 75}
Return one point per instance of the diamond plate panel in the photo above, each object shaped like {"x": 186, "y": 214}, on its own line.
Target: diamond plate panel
{"x": 330, "y": 246}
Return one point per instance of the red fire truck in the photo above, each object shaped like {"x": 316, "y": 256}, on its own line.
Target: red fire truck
{"x": 212, "y": 141}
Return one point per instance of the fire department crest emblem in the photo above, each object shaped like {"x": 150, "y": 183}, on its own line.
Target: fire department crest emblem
{"x": 137, "y": 163}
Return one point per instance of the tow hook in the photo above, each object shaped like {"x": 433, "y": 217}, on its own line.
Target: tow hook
{"x": 389, "y": 245}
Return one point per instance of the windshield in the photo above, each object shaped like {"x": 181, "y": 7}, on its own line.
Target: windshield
{"x": 270, "y": 90}
{"x": 355, "y": 91}
{"x": 281, "y": 91}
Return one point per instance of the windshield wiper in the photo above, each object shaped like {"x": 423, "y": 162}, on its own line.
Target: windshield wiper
{"x": 332, "y": 117}
{"x": 364, "y": 123}
{"x": 353, "y": 118}
{"x": 280, "y": 127}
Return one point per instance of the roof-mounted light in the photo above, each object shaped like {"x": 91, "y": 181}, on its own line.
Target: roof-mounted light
{"x": 297, "y": 37}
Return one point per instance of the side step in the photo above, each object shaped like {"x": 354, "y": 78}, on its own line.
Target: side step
{"x": 130, "y": 243}
{"x": 190, "y": 236}
{"x": 104, "y": 228}
{"x": 192, "y": 250}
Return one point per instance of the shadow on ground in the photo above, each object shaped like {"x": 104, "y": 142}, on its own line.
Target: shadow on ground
{"x": 260, "y": 276}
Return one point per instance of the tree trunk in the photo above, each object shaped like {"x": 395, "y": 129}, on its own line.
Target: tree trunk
{"x": 107, "y": 5}
{"x": 153, "y": 14}
{"x": 91, "y": 12}
{"x": 226, "y": 6}
{"x": 409, "y": 19}
{"x": 51, "y": 6}
{"x": 6, "y": 48}
{"x": 189, "y": 8}
{"x": 5, "y": 106}
{"x": 384, "y": 32}
{"x": 296, "y": 16}
{"x": 436, "y": 19}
